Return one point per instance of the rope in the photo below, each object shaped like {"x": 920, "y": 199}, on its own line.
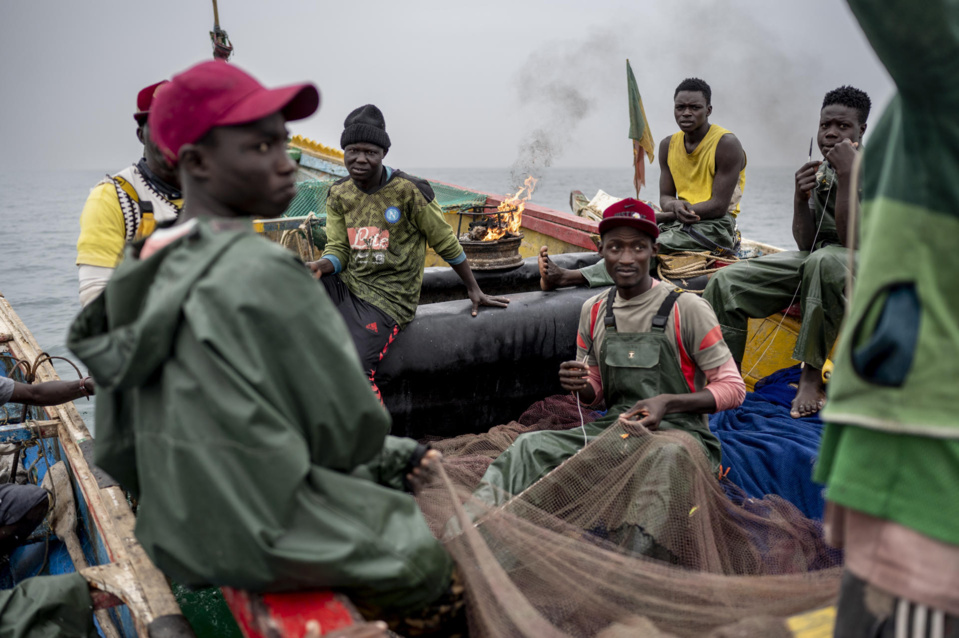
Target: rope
{"x": 29, "y": 372}
{"x": 704, "y": 266}
{"x": 291, "y": 239}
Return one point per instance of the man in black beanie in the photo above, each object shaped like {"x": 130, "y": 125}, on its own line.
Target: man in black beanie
{"x": 379, "y": 222}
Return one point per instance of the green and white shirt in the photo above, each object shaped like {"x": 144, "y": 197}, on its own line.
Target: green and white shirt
{"x": 378, "y": 240}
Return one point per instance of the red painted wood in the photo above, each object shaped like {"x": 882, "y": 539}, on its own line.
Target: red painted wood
{"x": 539, "y": 212}
{"x": 285, "y": 615}
{"x": 563, "y": 233}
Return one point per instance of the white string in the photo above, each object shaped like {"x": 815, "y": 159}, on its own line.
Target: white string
{"x": 579, "y": 403}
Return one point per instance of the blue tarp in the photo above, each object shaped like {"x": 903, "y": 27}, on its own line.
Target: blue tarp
{"x": 768, "y": 451}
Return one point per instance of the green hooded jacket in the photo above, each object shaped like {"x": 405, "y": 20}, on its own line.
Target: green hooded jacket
{"x": 890, "y": 448}
{"x": 48, "y": 607}
{"x": 232, "y": 406}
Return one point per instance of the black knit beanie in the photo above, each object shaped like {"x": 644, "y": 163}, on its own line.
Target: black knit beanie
{"x": 365, "y": 124}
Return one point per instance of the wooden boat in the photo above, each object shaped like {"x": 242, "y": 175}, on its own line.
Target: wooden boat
{"x": 422, "y": 380}
{"x": 131, "y": 596}
{"x": 532, "y": 336}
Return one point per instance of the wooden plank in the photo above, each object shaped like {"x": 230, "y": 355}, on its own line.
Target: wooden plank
{"x": 30, "y": 430}
{"x": 815, "y": 624}
{"x": 567, "y": 234}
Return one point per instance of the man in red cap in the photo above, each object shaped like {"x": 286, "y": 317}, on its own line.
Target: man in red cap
{"x": 126, "y": 207}
{"x": 655, "y": 355}
{"x": 232, "y": 403}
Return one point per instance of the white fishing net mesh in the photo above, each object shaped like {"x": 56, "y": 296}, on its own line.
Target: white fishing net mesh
{"x": 631, "y": 536}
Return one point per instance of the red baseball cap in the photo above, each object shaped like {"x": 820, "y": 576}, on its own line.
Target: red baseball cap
{"x": 633, "y": 213}
{"x": 217, "y": 93}
{"x": 144, "y": 99}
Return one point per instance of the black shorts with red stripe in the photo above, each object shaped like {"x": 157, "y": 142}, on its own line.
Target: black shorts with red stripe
{"x": 371, "y": 329}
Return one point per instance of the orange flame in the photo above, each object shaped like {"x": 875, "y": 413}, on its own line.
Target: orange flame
{"x": 510, "y": 212}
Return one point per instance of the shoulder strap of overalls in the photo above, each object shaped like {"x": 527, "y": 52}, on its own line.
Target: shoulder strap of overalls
{"x": 659, "y": 321}
{"x": 662, "y": 315}
{"x": 609, "y": 321}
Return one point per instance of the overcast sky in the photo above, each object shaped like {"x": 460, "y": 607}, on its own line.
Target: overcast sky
{"x": 461, "y": 84}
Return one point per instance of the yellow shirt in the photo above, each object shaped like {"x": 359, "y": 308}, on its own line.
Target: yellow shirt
{"x": 693, "y": 173}
{"x": 103, "y": 227}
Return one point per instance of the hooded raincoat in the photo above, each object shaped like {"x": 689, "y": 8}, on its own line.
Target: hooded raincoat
{"x": 232, "y": 406}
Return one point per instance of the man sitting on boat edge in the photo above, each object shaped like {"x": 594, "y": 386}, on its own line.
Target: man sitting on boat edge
{"x": 379, "y": 222}
{"x": 254, "y": 466}
{"x": 815, "y": 275}
{"x": 653, "y": 369}
{"x": 701, "y": 184}
{"x": 126, "y": 207}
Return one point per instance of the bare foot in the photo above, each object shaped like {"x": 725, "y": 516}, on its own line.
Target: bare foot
{"x": 552, "y": 276}
{"x": 811, "y": 394}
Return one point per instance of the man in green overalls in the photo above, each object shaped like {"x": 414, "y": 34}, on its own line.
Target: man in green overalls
{"x": 815, "y": 275}
{"x": 655, "y": 355}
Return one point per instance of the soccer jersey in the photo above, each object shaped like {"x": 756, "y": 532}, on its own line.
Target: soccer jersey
{"x": 378, "y": 240}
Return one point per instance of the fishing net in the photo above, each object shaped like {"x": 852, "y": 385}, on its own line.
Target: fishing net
{"x": 310, "y": 198}
{"x": 631, "y": 536}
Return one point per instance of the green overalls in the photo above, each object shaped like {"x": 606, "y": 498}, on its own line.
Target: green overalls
{"x": 765, "y": 285}
{"x": 633, "y": 366}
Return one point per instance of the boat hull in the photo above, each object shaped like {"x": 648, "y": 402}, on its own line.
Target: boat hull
{"x": 135, "y": 596}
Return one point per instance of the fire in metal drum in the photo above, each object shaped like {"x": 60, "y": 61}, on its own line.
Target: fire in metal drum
{"x": 499, "y": 254}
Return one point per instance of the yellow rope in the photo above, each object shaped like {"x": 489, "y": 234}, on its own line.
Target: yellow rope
{"x": 705, "y": 264}
{"x": 300, "y": 239}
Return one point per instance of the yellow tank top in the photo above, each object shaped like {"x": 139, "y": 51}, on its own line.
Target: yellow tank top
{"x": 693, "y": 173}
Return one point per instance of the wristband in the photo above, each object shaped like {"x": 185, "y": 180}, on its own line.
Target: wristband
{"x": 83, "y": 388}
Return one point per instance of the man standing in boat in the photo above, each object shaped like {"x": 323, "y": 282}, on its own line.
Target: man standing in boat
{"x": 254, "y": 466}
{"x": 126, "y": 207}
{"x": 378, "y": 224}
{"x": 702, "y": 180}
{"x": 815, "y": 275}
